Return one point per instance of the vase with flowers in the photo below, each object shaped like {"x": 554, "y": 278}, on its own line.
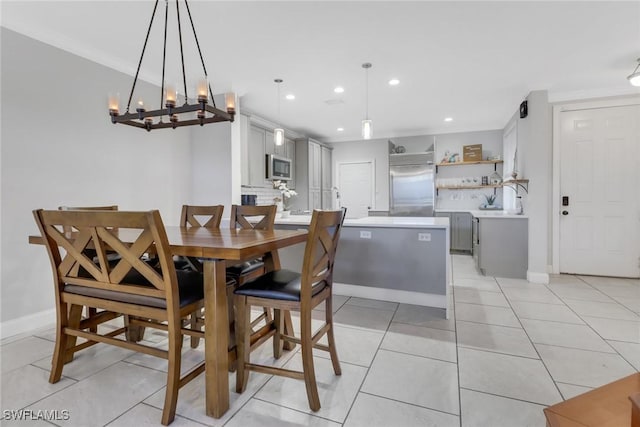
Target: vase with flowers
{"x": 285, "y": 194}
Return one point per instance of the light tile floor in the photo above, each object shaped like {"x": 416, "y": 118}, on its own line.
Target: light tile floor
{"x": 513, "y": 348}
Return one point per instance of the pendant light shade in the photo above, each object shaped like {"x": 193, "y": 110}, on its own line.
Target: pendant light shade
{"x": 634, "y": 78}
{"x": 366, "y": 129}
{"x": 278, "y": 133}
{"x": 278, "y": 136}
{"x": 366, "y": 123}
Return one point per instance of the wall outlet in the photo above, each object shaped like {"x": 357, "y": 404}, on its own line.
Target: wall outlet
{"x": 365, "y": 234}
{"x": 424, "y": 237}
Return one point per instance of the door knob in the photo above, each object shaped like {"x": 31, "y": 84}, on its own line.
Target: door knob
{"x": 565, "y": 212}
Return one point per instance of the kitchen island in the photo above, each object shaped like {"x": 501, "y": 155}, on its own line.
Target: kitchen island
{"x": 399, "y": 259}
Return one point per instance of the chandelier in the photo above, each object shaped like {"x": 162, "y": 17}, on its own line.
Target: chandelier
{"x": 198, "y": 112}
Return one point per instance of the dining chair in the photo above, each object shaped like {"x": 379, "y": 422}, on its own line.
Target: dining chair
{"x": 256, "y": 218}
{"x": 285, "y": 290}
{"x": 159, "y": 297}
{"x": 200, "y": 216}
{"x": 91, "y": 311}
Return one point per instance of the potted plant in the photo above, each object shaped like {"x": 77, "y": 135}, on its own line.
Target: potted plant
{"x": 490, "y": 200}
{"x": 286, "y": 193}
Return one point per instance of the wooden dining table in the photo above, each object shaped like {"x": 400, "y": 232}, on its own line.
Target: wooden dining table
{"x": 215, "y": 247}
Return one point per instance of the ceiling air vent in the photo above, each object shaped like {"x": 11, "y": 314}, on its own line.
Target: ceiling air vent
{"x": 334, "y": 101}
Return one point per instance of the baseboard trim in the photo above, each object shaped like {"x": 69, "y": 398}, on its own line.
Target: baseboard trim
{"x": 28, "y": 323}
{"x": 534, "y": 277}
{"x": 393, "y": 295}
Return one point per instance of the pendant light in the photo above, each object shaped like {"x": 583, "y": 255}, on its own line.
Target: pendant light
{"x": 634, "y": 78}
{"x": 366, "y": 123}
{"x": 278, "y": 133}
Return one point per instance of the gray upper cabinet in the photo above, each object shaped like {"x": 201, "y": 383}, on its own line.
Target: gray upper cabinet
{"x": 312, "y": 175}
{"x": 256, "y": 172}
{"x": 256, "y": 143}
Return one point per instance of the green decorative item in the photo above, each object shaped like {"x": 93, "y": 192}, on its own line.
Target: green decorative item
{"x": 490, "y": 199}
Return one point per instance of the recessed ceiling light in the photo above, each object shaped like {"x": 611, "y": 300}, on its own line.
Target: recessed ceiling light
{"x": 394, "y": 82}
{"x": 339, "y": 89}
{"x": 290, "y": 97}
{"x": 448, "y": 119}
{"x": 340, "y": 129}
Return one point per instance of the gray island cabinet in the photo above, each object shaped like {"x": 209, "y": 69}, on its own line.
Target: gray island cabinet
{"x": 500, "y": 244}
{"x": 399, "y": 259}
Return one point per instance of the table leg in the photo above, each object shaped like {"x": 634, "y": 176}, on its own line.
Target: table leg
{"x": 216, "y": 343}
{"x": 272, "y": 263}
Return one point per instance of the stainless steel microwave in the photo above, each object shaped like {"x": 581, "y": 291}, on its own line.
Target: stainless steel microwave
{"x": 278, "y": 167}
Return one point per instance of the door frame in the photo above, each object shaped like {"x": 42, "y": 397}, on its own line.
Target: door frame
{"x": 555, "y": 203}
{"x": 373, "y": 177}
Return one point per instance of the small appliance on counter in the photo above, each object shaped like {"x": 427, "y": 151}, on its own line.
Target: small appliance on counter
{"x": 248, "y": 199}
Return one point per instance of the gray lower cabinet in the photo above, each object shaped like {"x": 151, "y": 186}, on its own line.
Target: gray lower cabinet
{"x": 500, "y": 246}
{"x": 460, "y": 230}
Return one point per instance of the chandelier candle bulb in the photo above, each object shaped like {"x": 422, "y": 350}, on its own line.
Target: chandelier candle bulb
{"x": 114, "y": 104}
{"x": 230, "y": 101}
{"x": 202, "y": 91}
{"x": 170, "y": 97}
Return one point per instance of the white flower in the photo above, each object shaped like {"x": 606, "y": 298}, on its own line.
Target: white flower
{"x": 284, "y": 190}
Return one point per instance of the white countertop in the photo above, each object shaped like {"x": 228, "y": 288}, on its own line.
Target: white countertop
{"x": 375, "y": 221}
{"x": 496, "y": 214}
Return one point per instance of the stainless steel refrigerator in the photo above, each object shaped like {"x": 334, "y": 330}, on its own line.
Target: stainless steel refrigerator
{"x": 411, "y": 186}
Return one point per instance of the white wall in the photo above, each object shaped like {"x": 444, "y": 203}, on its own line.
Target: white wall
{"x": 59, "y": 148}
{"x": 376, "y": 150}
{"x": 535, "y": 161}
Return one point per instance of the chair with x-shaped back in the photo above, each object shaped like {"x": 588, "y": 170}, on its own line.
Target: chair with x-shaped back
{"x": 159, "y": 297}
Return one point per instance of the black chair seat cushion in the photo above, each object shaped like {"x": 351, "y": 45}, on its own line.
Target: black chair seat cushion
{"x": 244, "y": 268}
{"x": 190, "y": 289}
{"x": 280, "y": 285}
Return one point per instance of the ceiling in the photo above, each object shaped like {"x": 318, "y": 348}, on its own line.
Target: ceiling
{"x": 472, "y": 61}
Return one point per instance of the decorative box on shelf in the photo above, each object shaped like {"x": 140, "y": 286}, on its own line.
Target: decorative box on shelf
{"x": 472, "y": 153}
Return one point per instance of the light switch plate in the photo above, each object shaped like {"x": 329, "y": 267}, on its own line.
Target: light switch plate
{"x": 365, "y": 234}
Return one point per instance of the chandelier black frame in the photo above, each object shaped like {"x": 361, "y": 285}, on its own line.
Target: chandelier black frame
{"x": 144, "y": 119}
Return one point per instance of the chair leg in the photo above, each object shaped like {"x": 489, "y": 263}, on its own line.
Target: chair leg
{"x": 194, "y": 317}
{"x": 277, "y": 340}
{"x": 58, "y": 360}
{"x": 133, "y": 333}
{"x": 91, "y": 312}
{"x": 243, "y": 344}
{"x": 74, "y": 318}
{"x": 330, "y": 338}
{"x": 307, "y": 361}
{"x": 173, "y": 374}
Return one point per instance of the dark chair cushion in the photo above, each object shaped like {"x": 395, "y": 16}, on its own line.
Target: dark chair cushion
{"x": 244, "y": 268}
{"x": 280, "y": 285}
{"x": 190, "y": 288}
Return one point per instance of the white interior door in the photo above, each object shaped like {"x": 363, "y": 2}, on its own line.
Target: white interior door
{"x": 600, "y": 220}
{"x": 355, "y": 185}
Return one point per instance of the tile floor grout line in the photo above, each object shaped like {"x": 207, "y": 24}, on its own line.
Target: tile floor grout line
{"x": 364, "y": 378}
{"x": 535, "y": 349}
{"x": 314, "y": 414}
{"x": 455, "y": 332}
{"x": 475, "y": 322}
{"x": 410, "y": 404}
{"x": 421, "y": 326}
{"x": 591, "y": 327}
{"x": 416, "y": 355}
{"x": 505, "y": 397}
